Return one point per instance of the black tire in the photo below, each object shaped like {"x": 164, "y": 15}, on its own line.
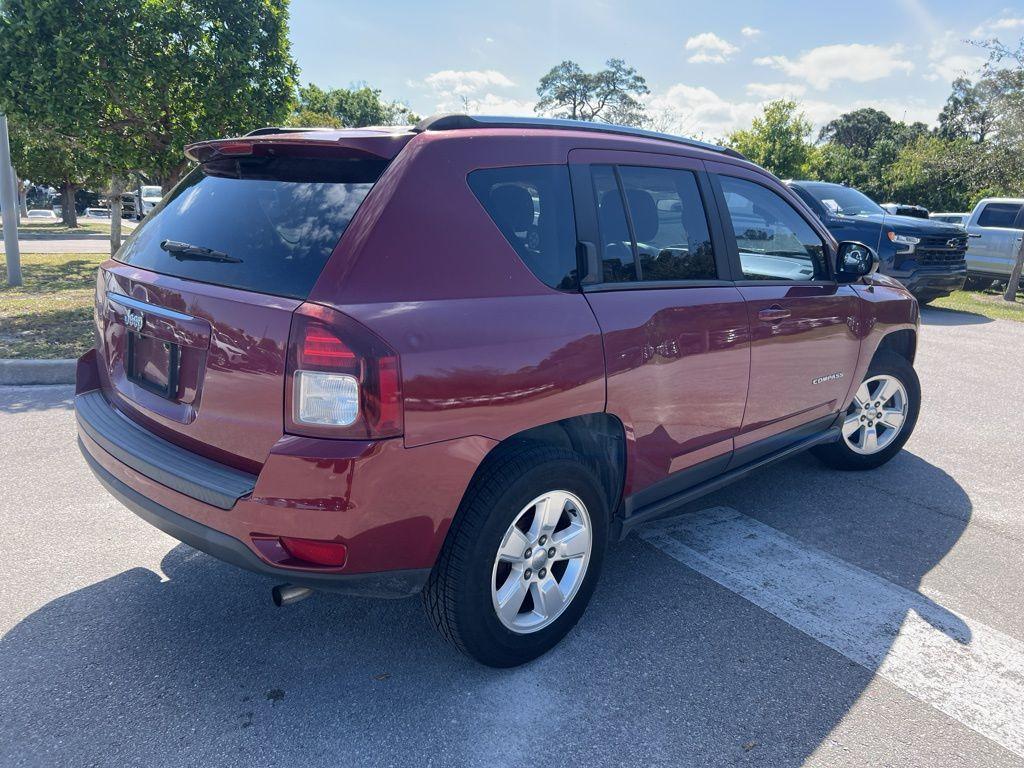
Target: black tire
{"x": 977, "y": 283}
{"x": 839, "y": 455}
{"x": 457, "y": 596}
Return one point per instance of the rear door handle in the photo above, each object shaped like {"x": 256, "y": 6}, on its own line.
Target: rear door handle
{"x": 773, "y": 313}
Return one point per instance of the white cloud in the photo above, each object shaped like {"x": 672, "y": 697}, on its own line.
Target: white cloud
{"x": 700, "y": 112}
{"x": 951, "y": 66}
{"x": 465, "y": 82}
{"x": 773, "y": 91}
{"x": 857, "y": 62}
{"x": 709, "y": 48}
{"x": 1003, "y": 26}
{"x": 750, "y": 31}
{"x": 473, "y": 91}
{"x": 949, "y": 58}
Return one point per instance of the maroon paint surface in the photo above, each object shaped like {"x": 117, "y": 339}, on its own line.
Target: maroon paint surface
{"x": 486, "y": 351}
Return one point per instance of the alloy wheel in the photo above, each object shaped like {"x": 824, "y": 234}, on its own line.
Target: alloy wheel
{"x": 541, "y": 562}
{"x": 876, "y": 415}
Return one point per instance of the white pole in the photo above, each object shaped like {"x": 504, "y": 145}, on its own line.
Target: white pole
{"x": 10, "y": 209}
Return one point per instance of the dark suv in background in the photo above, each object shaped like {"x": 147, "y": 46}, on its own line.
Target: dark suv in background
{"x": 925, "y": 255}
{"x": 458, "y": 359}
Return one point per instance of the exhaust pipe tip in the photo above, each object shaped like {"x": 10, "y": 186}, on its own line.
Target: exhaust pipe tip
{"x": 286, "y": 594}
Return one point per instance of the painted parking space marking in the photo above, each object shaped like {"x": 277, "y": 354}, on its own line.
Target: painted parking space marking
{"x": 966, "y": 669}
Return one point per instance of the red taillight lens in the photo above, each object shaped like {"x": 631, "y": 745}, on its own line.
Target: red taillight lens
{"x": 343, "y": 381}
{"x": 321, "y": 348}
{"x": 332, "y": 553}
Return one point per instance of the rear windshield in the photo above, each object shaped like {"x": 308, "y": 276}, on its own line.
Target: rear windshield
{"x": 265, "y": 224}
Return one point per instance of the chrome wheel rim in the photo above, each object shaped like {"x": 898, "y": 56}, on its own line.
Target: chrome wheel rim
{"x": 541, "y": 562}
{"x": 875, "y": 417}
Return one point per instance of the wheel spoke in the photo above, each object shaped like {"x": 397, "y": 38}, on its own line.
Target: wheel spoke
{"x": 514, "y": 545}
{"x": 548, "y": 513}
{"x": 870, "y": 442}
{"x": 574, "y": 541}
{"x": 851, "y": 425}
{"x": 886, "y": 389}
{"x": 511, "y": 596}
{"x": 547, "y": 597}
{"x": 892, "y": 417}
{"x": 862, "y": 396}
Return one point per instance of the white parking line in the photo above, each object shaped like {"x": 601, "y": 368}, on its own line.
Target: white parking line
{"x": 969, "y": 671}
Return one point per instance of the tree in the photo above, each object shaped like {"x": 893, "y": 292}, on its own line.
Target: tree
{"x": 348, "y": 108}
{"x": 48, "y": 158}
{"x": 858, "y": 130}
{"x": 930, "y": 171}
{"x": 610, "y": 95}
{"x": 969, "y": 111}
{"x": 140, "y": 79}
{"x": 777, "y": 139}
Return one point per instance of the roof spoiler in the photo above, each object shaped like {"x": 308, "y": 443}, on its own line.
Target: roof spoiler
{"x": 456, "y": 121}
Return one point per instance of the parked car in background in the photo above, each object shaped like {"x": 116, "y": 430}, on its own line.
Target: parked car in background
{"x": 960, "y": 219}
{"x": 538, "y": 335}
{"x": 994, "y": 230}
{"x": 902, "y": 209}
{"x": 42, "y": 213}
{"x": 96, "y": 213}
{"x": 926, "y": 256}
{"x": 151, "y": 195}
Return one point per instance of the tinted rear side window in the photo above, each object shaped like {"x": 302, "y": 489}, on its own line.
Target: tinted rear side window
{"x": 532, "y": 206}
{"x": 282, "y": 216}
{"x": 999, "y": 215}
{"x": 669, "y": 226}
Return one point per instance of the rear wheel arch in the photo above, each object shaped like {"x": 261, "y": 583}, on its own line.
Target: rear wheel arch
{"x": 597, "y": 438}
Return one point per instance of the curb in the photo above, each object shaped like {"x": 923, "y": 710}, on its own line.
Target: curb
{"x": 22, "y": 372}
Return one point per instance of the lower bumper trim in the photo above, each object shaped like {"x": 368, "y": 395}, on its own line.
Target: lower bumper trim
{"x": 387, "y": 584}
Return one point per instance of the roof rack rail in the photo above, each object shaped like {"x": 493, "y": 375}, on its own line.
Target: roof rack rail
{"x": 455, "y": 121}
{"x": 273, "y": 129}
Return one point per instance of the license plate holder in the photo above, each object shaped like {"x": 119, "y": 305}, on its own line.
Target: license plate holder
{"x": 161, "y": 359}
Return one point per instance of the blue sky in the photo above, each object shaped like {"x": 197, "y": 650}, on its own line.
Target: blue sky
{"x": 710, "y": 65}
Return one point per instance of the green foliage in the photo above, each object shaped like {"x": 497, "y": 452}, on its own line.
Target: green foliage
{"x": 777, "y": 139}
{"x": 609, "y": 95}
{"x": 133, "y": 81}
{"x": 348, "y": 108}
{"x": 859, "y": 130}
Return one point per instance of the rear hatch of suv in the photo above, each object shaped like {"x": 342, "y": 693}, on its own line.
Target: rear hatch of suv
{"x": 194, "y": 312}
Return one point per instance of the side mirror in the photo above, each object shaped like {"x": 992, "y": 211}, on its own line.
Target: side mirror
{"x": 855, "y": 260}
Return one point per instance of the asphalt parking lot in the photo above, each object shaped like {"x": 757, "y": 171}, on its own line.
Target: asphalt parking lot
{"x": 802, "y": 617}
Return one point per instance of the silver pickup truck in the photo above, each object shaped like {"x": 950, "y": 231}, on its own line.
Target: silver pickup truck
{"x": 995, "y": 229}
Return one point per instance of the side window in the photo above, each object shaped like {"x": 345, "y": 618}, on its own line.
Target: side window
{"x": 999, "y": 215}
{"x": 774, "y": 241}
{"x": 669, "y": 224}
{"x": 616, "y": 246}
{"x": 532, "y": 206}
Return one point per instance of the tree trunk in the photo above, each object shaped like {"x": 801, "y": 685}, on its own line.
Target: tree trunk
{"x": 22, "y": 196}
{"x": 117, "y": 185}
{"x": 1014, "y": 283}
{"x": 68, "y": 212}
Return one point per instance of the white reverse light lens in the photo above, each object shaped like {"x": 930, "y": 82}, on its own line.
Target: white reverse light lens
{"x": 331, "y": 399}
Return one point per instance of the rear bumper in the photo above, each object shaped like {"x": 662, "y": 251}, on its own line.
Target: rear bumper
{"x": 390, "y": 505}
{"x": 231, "y": 550}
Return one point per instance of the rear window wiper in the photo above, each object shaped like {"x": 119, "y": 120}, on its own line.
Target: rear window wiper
{"x": 182, "y": 251}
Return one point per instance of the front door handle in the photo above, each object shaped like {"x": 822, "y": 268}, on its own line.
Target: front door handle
{"x": 773, "y": 313}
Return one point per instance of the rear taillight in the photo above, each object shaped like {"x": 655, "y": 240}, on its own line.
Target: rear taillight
{"x": 343, "y": 381}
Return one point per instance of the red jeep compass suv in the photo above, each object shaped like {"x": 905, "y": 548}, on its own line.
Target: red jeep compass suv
{"x": 456, "y": 359}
